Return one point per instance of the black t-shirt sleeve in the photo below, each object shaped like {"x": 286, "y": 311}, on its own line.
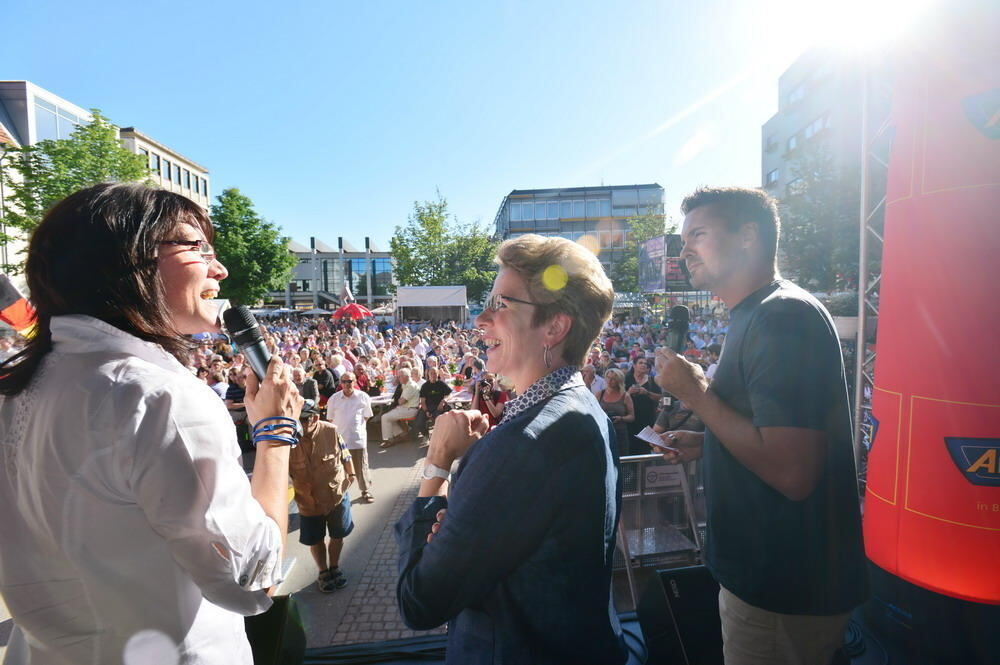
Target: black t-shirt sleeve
{"x": 791, "y": 362}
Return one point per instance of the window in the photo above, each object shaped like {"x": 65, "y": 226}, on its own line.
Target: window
{"x": 46, "y": 127}
{"x": 168, "y": 173}
{"x": 187, "y": 179}
{"x": 593, "y": 209}
{"x": 52, "y": 122}
{"x": 204, "y": 187}
{"x": 604, "y": 239}
{"x": 772, "y": 177}
{"x": 527, "y": 212}
{"x": 578, "y": 209}
{"x": 154, "y": 163}
{"x": 539, "y": 211}
{"x": 566, "y": 209}
{"x": 605, "y": 207}
{"x": 793, "y": 187}
{"x": 770, "y": 145}
{"x": 793, "y": 141}
{"x": 552, "y": 210}
{"x": 177, "y": 174}
{"x": 816, "y": 126}
{"x": 514, "y": 210}
{"x": 797, "y": 94}
{"x": 617, "y": 239}
{"x": 197, "y": 189}
{"x": 143, "y": 151}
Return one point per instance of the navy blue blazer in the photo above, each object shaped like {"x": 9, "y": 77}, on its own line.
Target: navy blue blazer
{"x": 521, "y": 567}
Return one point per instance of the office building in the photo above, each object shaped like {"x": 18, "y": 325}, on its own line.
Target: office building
{"x": 322, "y": 273}
{"x": 29, "y": 114}
{"x": 594, "y": 216}
{"x": 819, "y": 102}
{"x": 168, "y": 168}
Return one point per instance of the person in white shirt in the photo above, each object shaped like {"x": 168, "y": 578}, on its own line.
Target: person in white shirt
{"x": 404, "y": 405}
{"x": 132, "y": 534}
{"x": 592, "y": 379}
{"x": 419, "y": 347}
{"x": 349, "y": 410}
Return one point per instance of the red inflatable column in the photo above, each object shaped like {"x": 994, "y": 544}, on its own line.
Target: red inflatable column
{"x": 932, "y": 509}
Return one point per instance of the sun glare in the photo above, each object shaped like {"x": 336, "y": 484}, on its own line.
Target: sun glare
{"x": 856, "y": 26}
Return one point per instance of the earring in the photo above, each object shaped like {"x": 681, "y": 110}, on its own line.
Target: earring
{"x": 546, "y": 358}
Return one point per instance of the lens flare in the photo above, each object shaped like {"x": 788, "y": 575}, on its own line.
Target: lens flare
{"x": 554, "y": 278}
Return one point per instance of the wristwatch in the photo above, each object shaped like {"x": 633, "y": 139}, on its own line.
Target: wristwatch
{"x": 434, "y": 471}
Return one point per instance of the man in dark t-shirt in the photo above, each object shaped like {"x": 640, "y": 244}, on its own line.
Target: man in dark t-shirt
{"x": 432, "y": 404}
{"x": 784, "y": 525}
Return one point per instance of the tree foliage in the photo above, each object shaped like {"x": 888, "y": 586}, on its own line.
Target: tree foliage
{"x": 251, "y": 248}
{"x": 819, "y": 212}
{"x": 38, "y": 176}
{"x": 434, "y": 249}
{"x": 625, "y": 273}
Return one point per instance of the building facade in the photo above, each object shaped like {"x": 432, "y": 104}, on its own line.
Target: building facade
{"x": 168, "y": 168}
{"x": 324, "y": 274}
{"x": 819, "y": 102}
{"x": 29, "y": 114}
{"x": 593, "y": 216}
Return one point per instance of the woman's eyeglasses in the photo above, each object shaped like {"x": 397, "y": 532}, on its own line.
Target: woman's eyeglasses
{"x": 205, "y": 250}
{"x": 496, "y": 302}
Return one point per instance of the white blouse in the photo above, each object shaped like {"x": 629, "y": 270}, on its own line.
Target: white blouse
{"x": 128, "y": 532}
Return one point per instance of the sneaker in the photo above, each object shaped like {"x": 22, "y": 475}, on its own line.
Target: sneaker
{"x": 337, "y": 578}
{"x": 325, "y": 581}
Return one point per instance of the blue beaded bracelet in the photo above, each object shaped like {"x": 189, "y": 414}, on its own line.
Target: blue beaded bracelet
{"x": 273, "y": 432}
{"x": 290, "y": 441}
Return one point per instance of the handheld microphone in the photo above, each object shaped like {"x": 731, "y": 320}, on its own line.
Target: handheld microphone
{"x": 243, "y": 328}
{"x": 677, "y": 329}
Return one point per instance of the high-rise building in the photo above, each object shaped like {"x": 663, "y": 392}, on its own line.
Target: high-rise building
{"x": 819, "y": 100}
{"x": 595, "y": 216}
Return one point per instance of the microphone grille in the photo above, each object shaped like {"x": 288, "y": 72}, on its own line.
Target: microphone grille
{"x": 238, "y": 319}
{"x": 680, "y": 313}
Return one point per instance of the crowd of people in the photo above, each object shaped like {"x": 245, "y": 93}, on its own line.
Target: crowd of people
{"x": 420, "y": 365}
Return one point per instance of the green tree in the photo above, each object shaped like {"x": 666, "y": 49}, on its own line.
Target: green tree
{"x": 37, "y": 176}
{"x": 251, "y": 248}
{"x": 625, "y": 273}
{"x": 819, "y": 212}
{"x": 433, "y": 249}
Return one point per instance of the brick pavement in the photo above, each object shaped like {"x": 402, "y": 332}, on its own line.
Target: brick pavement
{"x": 372, "y": 614}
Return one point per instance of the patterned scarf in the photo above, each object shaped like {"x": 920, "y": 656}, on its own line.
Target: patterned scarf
{"x": 542, "y": 389}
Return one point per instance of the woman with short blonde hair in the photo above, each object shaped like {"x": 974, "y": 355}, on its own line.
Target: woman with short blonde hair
{"x": 535, "y": 501}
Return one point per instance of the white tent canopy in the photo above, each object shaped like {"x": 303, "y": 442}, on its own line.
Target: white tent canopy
{"x": 431, "y": 296}
{"x": 432, "y": 303}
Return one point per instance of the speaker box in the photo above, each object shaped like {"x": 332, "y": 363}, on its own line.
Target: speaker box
{"x": 679, "y": 616}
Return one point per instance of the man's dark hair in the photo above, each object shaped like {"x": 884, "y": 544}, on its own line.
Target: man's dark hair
{"x": 94, "y": 253}
{"x": 715, "y": 348}
{"x": 738, "y": 206}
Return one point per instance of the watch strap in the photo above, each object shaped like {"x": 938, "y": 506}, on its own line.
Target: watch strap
{"x": 434, "y": 471}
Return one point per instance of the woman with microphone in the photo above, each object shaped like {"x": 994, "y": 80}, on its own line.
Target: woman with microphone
{"x": 131, "y": 533}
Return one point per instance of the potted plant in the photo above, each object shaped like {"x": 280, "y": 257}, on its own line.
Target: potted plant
{"x": 378, "y": 385}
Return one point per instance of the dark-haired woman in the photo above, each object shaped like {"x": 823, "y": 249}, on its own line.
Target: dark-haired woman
{"x": 130, "y": 532}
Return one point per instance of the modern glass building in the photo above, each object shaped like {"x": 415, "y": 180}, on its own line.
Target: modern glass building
{"x": 323, "y": 273}
{"x": 594, "y": 216}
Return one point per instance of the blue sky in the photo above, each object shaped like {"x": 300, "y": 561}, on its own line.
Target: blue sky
{"x": 335, "y": 117}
